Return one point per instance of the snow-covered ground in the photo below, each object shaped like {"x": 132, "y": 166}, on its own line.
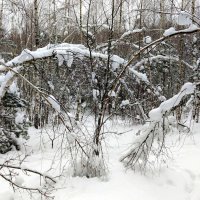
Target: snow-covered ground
{"x": 177, "y": 179}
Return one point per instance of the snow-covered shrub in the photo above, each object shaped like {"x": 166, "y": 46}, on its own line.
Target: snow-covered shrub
{"x": 90, "y": 166}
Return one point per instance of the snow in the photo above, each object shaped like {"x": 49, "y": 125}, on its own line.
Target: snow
{"x": 94, "y": 80}
{"x": 172, "y": 30}
{"x": 95, "y": 94}
{"x": 64, "y": 56}
{"x": 85, "y": 31}
{"x": 175, "y": 182}
{"x": 162, "y": 98}
{"x": 184, "y": 18}
{"x": 148, "y": 90}
{"x": 178, "y": 179}
{"x": 20, "y": 117}
{"x": 50, "y": 84}
{"x": 112, "y": 94}
{"x": 117, "y": 59}
{"x": 2, "y": 68}
{"x": 157, "y": 113}
{"x": 192, "y": 27}
{"x": 157, "y": 58}
{"x": 64, "y": 52}
{"x": 8, "y": 195}
{"x": 19, "y": 180}
{"x": 105, "y": 26}
{"x": 187, "y": 88}
{"x": 124, "y": 103}
{"x": 115, "y": 66}
{"x": 194, "y": 39}
{"x": 54, "y": 103}
{"x": 147, "y": 39}
{"x": 131, "y": 32}
{"x": 2, "y": 78}
{"x": 14, "y": 88}
{"x": 159, "y": 88}
{"x": 169, "y": 31}
{"x": 139, "y": 75}
{"x": 7, "y": 80}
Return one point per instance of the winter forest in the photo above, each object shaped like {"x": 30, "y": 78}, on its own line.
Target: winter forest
{"x": 99, "y": 99}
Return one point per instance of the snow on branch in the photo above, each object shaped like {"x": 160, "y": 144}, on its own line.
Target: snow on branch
{"x": 17, "y": 181}
{"x": 171, "y": 31}
{"x": 184, "y": 18}
{"x": 161, "y": 57}
{"x": 7, "y": 80}
{"x": 54, "y": 103}
{"x": 45, "y": 176}
{"x": 139, "y": 154}
{"x": 104, "y": 46}
{"x": 139, "y": 75}
{"x": 130, "y": 32}
{"x": 64, "y": 52}
{"x": 166, "y": 106}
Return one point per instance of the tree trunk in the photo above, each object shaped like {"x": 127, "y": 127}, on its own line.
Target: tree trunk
{"x": 1, "y": 19}
{"x": 36, "y": 24}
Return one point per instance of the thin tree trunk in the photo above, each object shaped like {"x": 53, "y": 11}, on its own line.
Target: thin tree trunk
{"x": 36, "y": 24}
{"x": 161, "y": 16}
{"x": 1, "y": 18}
{"x": 120, "y": 15}
{"x": 54, "y": 23}
{"x": 81, "y": 20}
